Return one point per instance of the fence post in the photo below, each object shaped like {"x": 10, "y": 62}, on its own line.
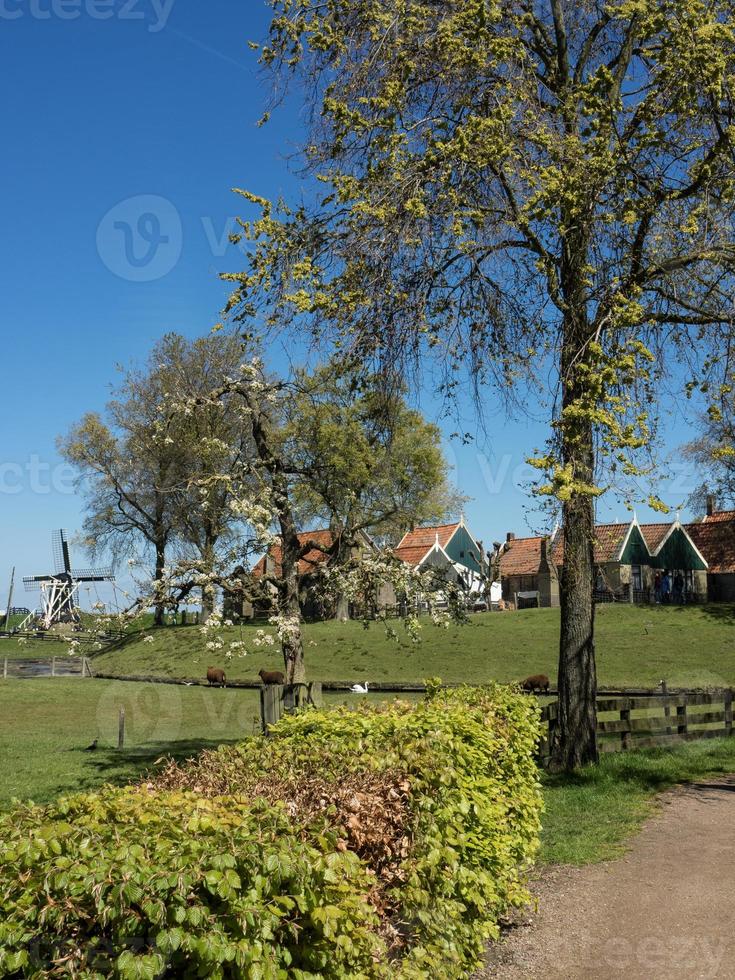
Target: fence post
{"x": 681, "y": 719}
{"x": 121, "y": 729}
{"x": 548, "y": 716}
{"x": 625, "y": 735}
{"x": 728, "y": 713}
{"x": 667, "y": 706}
{"x": 271, "y": 705}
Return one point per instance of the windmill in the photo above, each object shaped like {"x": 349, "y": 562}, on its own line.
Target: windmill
{"x": 59, "y": 601}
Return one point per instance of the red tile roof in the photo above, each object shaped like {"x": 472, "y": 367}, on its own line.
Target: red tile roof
{"x": 719, "y": 516}
{"x": 521, "y": 557}
{"x": 413, "y": 546}
{"x": 654, "y": 534}
{"x": 310, "y": 560}
{"x": 609, "y": 540}
{"x": 714, "y": 537}
{"x": 715, "y": 540}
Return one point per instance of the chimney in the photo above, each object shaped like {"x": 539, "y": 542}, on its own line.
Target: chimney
{"x": 711, "y": 504}
{"x": 510, "y": 536}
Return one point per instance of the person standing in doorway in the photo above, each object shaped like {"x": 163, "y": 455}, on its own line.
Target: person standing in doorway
{"x": 679, "y": 589}
{"x": 657, "y": 588}
{"x": 665, "y": 587}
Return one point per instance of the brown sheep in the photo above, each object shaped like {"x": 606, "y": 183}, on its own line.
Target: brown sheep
{"x": 216, "y": 676}
{"x": 271, "y": 677}
{"x": 538, "y": 682}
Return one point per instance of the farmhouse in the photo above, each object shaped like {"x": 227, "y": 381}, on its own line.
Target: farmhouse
{"x": 326, "y": 545}
{"x": 714, "y": 536}
{"x": 627, "y": 559}
{"x": 526, "y": 568}
{"x": 450, "y": 547}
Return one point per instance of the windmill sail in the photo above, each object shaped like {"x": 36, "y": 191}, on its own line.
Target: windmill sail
{"x": 60, "y": 588}
{"x": 60, "y": 545}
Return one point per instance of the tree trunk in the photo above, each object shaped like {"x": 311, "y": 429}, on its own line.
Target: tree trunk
{"x": 292, "y": 642}
{"x": 208, "y": 590}
{"x": 342, "y": 608}
{"x": 574, "y": 740}
{"x": 159, "y": 609}
{"x": 289, "y": 606}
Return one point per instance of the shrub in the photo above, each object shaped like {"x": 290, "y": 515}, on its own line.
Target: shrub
{"x": 370, "y": 843}
{"x": 136, "y": 883}
{"x": 475, "y": 802}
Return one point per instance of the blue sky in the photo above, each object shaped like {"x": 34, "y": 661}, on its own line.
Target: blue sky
{"x": 126, "y": 123}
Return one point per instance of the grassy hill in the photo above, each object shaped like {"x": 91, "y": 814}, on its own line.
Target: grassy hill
{"x": 636, "y": 646}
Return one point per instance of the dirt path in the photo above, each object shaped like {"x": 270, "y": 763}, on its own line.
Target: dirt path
{"x": 664, "y": 910}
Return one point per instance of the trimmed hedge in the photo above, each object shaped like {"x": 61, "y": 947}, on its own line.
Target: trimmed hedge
{"x": 381, "y": 842}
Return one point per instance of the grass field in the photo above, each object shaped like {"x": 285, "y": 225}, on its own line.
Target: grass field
{"x": 46, "y": 724}
{"x": 636, "y": 646}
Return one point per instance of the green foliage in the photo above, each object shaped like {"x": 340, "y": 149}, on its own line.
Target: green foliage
{"x": 566, "y": 201}
{"x": 371, "y": 461}
{"x": 130, "y": 883}
{"x": 476, "y": 819}
{"x": 148, "y": 882}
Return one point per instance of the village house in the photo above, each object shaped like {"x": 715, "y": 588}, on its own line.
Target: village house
{"x": 311, "y": 599}
{"x": 450, "y": 547}
{"x": 627, "y": 558}
{"x": 526, "y": 570}
{"x": 714, "y": 536}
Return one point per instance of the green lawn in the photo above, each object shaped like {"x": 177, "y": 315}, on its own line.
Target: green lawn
{"x": 15, "y": 649}
{"x": 590, "y": 815}
{"x": 46, "y": 724}
{"x": 636, "y": 646}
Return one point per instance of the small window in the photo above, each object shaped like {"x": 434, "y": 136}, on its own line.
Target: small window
{"x": 461, "y": 554}
{"x": 637, "y": 577}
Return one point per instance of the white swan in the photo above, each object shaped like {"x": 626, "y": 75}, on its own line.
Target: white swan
{"x": 359, "y": 689}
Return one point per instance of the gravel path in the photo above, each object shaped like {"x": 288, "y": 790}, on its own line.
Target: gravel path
{"x": 664, "y": 910}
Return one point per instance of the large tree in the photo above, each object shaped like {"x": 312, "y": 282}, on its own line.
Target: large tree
{"x": 323, "y": 445}
{"x": 368, "y": 460}
{"x": 514, "y": 184}
{"x": 713, "y": 451}
{"x": 127, "y": 474}
{"x": 152, "y": 481}
{"x": 210, "y": 442}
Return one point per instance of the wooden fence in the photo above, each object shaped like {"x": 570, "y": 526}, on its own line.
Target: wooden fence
{"x": 50, "y": 667}
{"x": 277, "y": 699}
{"x": 646, "y": 721}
